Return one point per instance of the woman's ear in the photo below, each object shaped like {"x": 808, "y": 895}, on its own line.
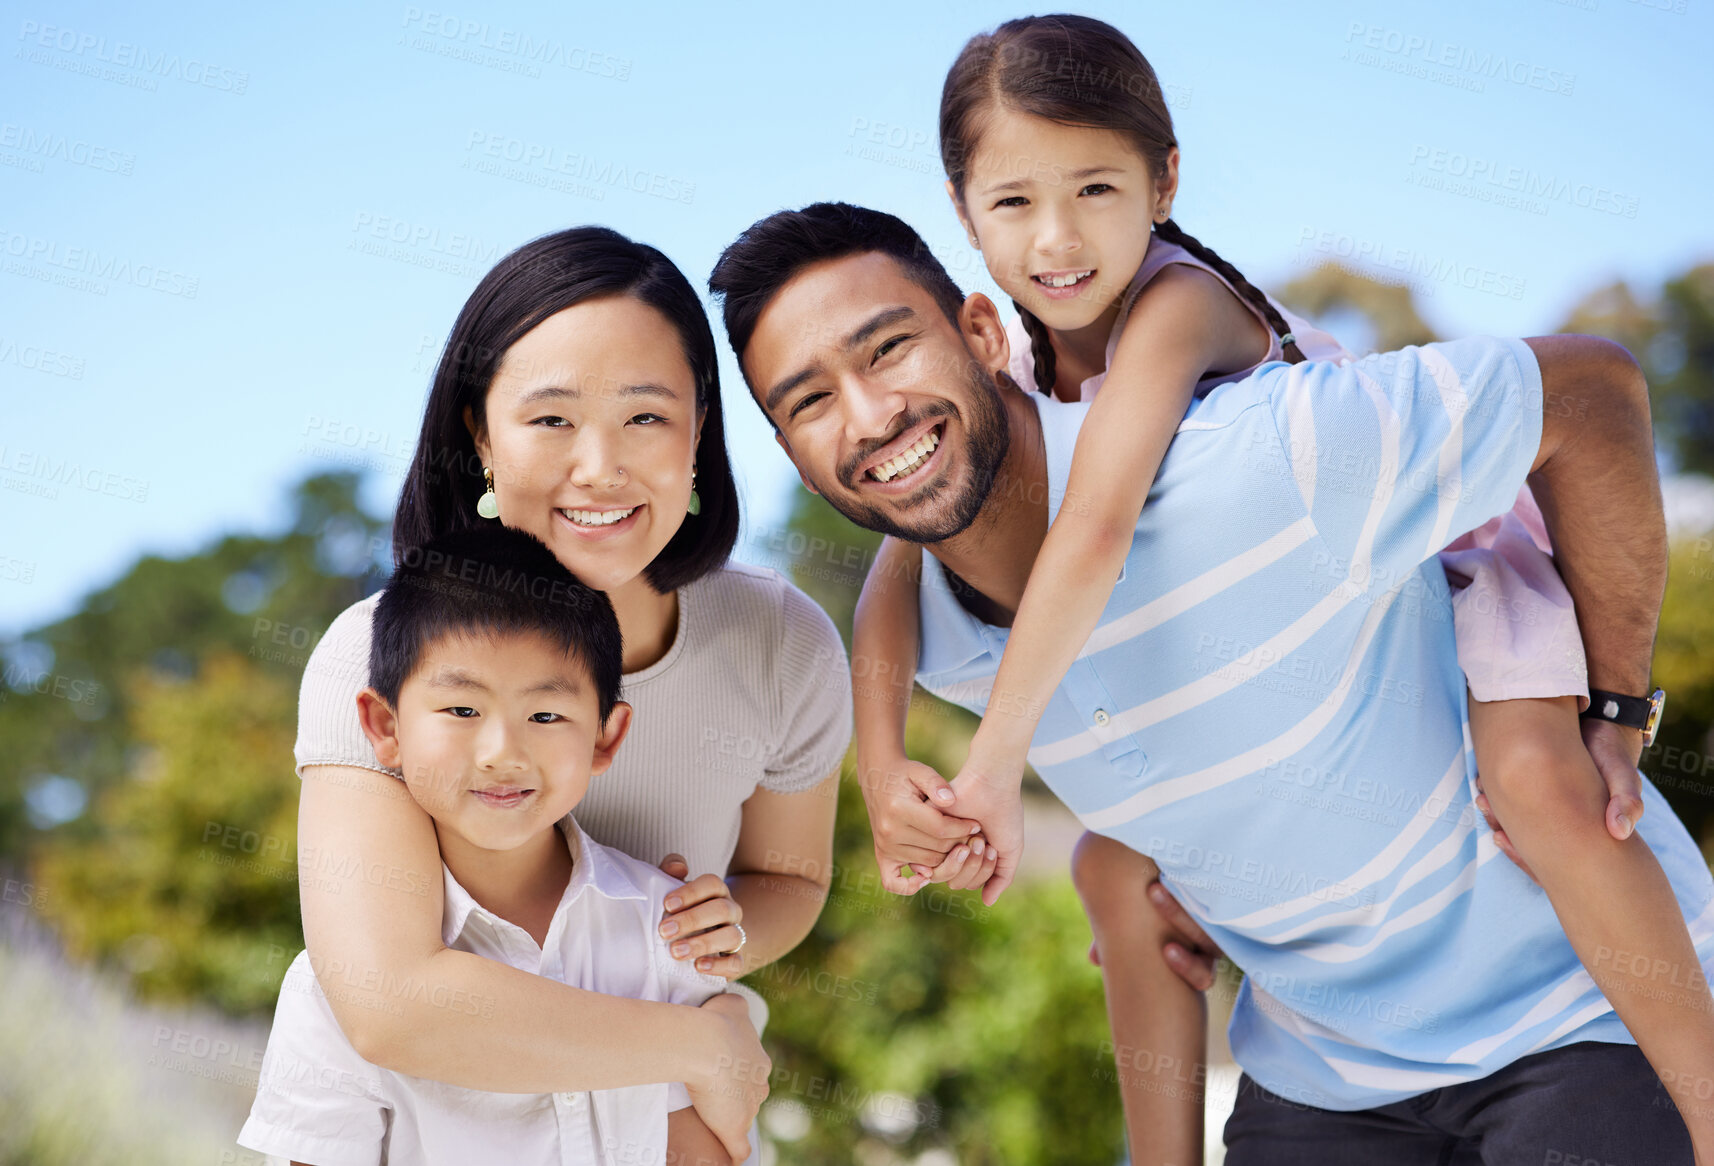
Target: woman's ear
{"x": 984, "y": 335}
{"x": 381, "y": 725}
{"x": 478, "y": 434}
{"x": 963, "y": 216}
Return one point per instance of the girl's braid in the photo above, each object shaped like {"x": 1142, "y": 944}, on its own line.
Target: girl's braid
{"x": 1041, "y": 348}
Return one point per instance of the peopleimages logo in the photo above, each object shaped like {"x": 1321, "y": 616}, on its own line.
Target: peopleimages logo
{"x": 87, "y": 268}
{"x": 1486, "y": 178}
{"x": 41, "y": 146}
{"x": 1463, "y": 66}
{"x": 528, "y": 50}
{"x": 84, "y": 47}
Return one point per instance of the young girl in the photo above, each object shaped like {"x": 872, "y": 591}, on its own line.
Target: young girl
{"x": 1060, "y": 156}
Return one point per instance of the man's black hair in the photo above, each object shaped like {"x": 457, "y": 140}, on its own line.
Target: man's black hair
{"x": 492, "y": 580}
{"x": 773, "y": 250}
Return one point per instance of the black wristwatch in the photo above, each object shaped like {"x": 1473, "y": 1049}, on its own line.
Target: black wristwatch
{"x": 1633, "y": 712}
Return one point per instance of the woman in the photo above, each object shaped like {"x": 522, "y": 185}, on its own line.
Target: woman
{"x": 578, "y": 399}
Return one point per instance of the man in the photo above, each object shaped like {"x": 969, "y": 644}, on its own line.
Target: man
{"x": 1390, "y": 963}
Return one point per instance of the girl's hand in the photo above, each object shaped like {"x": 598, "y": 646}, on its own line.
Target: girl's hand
{"x": 992, "y": 795}
{"x": 916, "y": 841}
{"x": 699, "y": 921}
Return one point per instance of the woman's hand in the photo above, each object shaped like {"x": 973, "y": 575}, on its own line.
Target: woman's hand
{"x": 701, "y": 922}
{"x": 916, "y": 841}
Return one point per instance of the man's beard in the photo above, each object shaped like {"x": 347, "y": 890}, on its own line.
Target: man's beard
{"x": 988, "y": 436}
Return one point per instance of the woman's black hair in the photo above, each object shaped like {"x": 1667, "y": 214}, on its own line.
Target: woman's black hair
{"x": 545, "y": 276}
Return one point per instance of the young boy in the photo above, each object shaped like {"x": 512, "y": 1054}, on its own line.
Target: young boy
{"x": 494, "y": 687}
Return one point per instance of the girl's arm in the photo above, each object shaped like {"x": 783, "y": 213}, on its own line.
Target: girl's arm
{"x": 902, "y": 795}
{"x": 1184, "y": 325}
{"x": 370, "y": 883}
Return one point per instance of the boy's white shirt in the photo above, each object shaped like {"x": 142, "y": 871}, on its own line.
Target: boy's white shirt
{"x": 317, "y": 1101}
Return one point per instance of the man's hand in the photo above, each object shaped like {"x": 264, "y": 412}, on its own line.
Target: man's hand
{"x": 995, "y": 801}
{"x": 914, "y": 837}
{"x": 731, "y": 1095}
{"x": 1188, "y": 950}
{"x": 1616, "y": 751}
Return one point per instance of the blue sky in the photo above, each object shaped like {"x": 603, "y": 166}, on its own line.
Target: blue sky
{"x": 232, "y": 241}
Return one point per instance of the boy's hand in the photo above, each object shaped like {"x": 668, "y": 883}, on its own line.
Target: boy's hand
{"x": 996, "y": 801}
{"x": 729, "y": 1098}
{"x": 700, "y": 919}
{"x": 914, "y": 838}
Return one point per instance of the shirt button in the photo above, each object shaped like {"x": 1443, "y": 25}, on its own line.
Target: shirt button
{"x": 571, "y": 1098}
{"x": 1101, "y": 717}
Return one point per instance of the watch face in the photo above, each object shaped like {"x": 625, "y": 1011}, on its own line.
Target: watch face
{"x": 1657, "y": 702}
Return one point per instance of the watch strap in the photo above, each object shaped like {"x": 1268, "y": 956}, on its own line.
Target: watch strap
{"x": 1630, "y": 711}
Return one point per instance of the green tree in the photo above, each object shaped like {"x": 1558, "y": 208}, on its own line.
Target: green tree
{"x": 187, "y": 878}
{"x": 1672, "y": 336}
{"x": 1389, "y": 309}
{"x": 63, "y": 709}
{"x": 903, "y": 1024}
{"x": 1681, "y": 762}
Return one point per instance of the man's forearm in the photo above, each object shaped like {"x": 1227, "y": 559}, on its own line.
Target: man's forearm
{"x": 1599, "y": 491}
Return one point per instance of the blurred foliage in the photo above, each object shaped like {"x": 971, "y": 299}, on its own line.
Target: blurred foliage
{"x": 63, "y": 708}
{"x": 89, "y": 1079}
{"x": 1681, "y": 762}
{"x": 906, "y": 1024}
{"x": 187, "y": 877}
{"x": 1672, "y": 335}
{"x": 160, "y": 717}
{"x": 1389, "y": 309}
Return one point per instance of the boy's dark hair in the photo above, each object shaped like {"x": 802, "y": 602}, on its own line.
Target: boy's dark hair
{"x": 496, "y": 580}
{"x": 773, "y": 250}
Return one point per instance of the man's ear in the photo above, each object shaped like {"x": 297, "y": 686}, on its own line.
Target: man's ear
{"x": 802, "y": 477}
{"x": 479, "y": 434}
{"x": 612, "y": 733}
{"x": 984, "y": 335}
{"x": 963, "y": 216}
{"x": 381, "y": 725}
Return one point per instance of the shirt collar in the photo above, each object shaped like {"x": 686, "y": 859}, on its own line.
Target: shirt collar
{"x": 951, "y": 637}
{"x": 592, "y": 870}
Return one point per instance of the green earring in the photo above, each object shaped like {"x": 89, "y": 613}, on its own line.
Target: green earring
{"x": 695, "y": 506}
{"x": 488, "y": 506}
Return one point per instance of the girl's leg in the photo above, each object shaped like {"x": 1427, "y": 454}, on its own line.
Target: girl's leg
{"x": 1611, "y": 896}
{"x": 1159, "y": 1023}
